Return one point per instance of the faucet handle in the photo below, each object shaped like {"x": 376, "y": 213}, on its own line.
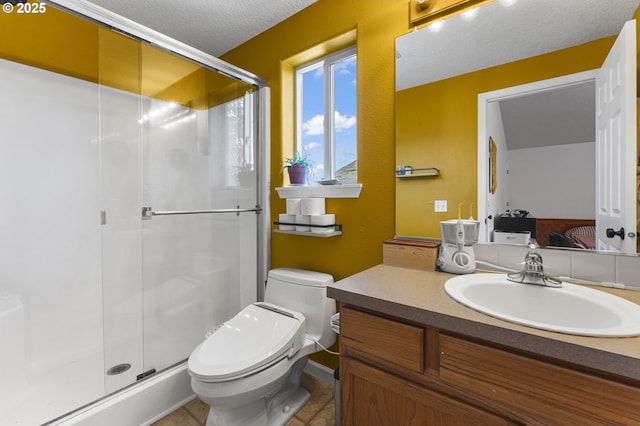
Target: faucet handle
{"x": 533, "y": 260}
{"x": 533, "y": 272}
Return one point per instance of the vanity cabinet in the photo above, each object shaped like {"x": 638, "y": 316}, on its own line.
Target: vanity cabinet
{"x": 375, "y": 397}
{"x": 393, "y": 372}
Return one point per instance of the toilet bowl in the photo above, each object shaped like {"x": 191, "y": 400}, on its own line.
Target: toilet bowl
{"x": 248, "y": 369}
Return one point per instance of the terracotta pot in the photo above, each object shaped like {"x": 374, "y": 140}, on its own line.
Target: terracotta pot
{"x": 297, "y": 175}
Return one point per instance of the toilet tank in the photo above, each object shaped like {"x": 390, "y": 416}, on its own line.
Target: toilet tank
{"x": 305, "y": 292}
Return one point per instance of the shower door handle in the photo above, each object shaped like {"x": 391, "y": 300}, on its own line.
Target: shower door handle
{"x": 148, "y": 212}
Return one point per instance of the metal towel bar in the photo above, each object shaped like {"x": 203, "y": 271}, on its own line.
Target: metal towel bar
{"x": 148, "y": 213}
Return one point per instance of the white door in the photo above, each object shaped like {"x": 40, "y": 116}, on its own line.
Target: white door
{"x": 616, "y": 146}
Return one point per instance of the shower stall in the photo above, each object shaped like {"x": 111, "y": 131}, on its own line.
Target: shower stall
{"x": 133, "y": 208}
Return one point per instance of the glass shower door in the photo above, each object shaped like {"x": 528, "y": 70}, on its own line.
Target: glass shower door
{"x": 50, "y": 259}
{"x": 94, "y": 126}
{"x": 199, "y": 245}
{"x": 121, "y": 198}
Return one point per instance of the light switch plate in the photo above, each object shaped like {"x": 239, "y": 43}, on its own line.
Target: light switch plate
{"x": 441, "y": 206}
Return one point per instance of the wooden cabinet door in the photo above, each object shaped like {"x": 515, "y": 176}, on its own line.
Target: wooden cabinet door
{"x": 536, "y": 392}
{"x": 372, "y": 397}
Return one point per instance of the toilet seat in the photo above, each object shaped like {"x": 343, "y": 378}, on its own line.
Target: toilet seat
{"x": 257, "y": 337}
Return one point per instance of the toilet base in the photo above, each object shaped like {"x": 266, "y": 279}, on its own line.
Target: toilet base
{"x": 272, "y": 410}
{"x": 281, "y": 414}
{"x": 290, "y": 399}
{"x": 250, "y": 414}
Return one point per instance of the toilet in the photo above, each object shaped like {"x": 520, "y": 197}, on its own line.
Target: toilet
{"x": 248, "y": 368}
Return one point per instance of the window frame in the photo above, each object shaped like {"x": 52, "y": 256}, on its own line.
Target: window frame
{"x": 326, "y": 62}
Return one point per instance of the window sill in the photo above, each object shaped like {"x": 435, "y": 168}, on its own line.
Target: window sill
{"x": 350, "y": 190}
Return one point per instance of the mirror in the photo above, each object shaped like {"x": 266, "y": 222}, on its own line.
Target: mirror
{"x": 441, "y": 71}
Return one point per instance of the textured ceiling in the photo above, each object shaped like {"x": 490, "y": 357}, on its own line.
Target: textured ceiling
{"x": 213, "y": 26}
{"x": 552, "y": 117}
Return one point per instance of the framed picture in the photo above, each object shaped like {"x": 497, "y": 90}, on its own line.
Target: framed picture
{"x": 493, "y": 161}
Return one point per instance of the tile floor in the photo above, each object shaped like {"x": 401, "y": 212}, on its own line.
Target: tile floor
{"x": 319, "y": 411}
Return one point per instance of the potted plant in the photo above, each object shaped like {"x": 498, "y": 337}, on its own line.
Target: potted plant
{"x": 298, "y": 168}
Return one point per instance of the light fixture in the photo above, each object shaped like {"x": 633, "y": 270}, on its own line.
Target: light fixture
{"x": 507, "y": 3}
{"x": 436, "y": 26}
{"x": 423, "y": 4}
{"x": 470, "y": 14}
{"x": 423, "y": 11}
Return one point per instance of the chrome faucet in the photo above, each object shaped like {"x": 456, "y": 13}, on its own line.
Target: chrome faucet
{"x": 533, "y": 272}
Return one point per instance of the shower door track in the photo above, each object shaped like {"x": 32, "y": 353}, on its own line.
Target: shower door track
{"x": 148, "y": 213}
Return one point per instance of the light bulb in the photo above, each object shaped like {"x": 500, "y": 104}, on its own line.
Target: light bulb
{"x": 470, "y": 14}
{"x": 436, "y": 26}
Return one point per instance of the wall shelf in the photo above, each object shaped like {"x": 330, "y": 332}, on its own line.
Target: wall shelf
{"x": 350, "y": 190}
{"x": 338, "y": 230}
{"x": 421, "y": 172}
{"x": 308, "y": 234}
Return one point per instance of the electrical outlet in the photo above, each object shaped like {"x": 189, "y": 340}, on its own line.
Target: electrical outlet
{"x": 441, "y": 206}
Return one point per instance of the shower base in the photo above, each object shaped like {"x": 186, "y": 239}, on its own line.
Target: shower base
{"x": 140, "y": 404}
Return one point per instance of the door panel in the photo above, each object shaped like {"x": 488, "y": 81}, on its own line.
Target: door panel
{"x": 616, "y": 145}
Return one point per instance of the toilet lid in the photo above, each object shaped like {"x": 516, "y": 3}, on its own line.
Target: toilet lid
{"x": 260, "y": 335}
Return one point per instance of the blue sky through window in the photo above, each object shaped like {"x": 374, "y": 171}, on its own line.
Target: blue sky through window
{"x": 345, "y": 114}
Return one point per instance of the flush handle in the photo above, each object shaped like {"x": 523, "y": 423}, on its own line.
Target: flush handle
{"x": 611, "y": 233}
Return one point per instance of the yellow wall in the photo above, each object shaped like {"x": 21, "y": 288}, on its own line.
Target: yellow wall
{"x": 437, "y": 126}
{"x": 63, "y": 43}
{"x": 54, "y": 40}
{"x": 368, "y": 220}
{"x": 636, "y": 16}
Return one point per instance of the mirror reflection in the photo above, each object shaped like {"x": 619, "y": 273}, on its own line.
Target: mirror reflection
{"x": 547, "y": 144}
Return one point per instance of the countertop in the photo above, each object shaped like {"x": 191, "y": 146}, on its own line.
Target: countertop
{"x": 419, "y": 296}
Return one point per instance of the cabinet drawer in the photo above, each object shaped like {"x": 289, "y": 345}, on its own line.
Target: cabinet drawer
{"x": 541, "y": 393}
{"x": 389, "y": 340}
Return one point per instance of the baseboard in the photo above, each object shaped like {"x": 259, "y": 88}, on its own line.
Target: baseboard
{"x": 319, "y": 371}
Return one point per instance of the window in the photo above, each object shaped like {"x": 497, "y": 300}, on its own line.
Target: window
{"x": 326, "y": 115}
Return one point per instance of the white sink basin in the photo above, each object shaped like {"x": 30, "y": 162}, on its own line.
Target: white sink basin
{"x": 571, "y": 309}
